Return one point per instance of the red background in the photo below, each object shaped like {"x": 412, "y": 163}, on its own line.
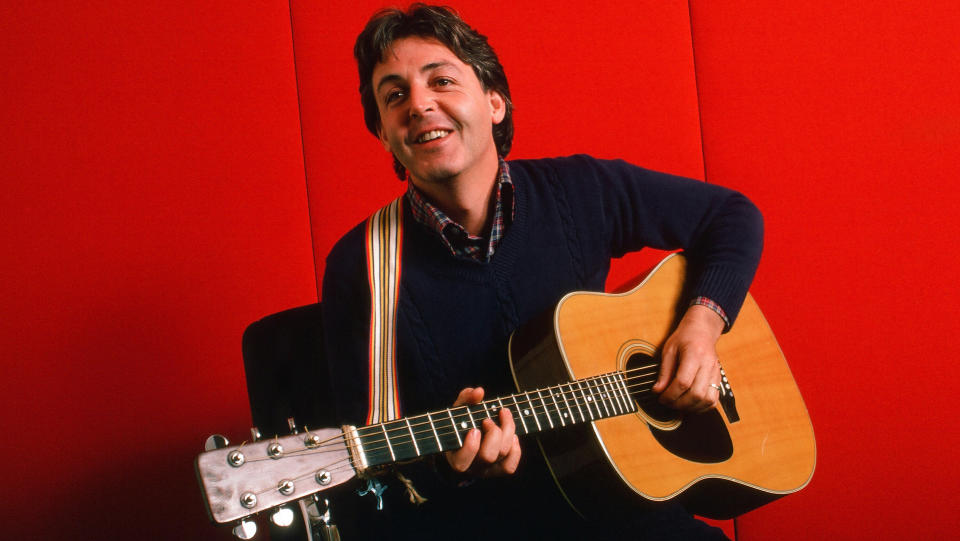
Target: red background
{"x": 173, "y": 172}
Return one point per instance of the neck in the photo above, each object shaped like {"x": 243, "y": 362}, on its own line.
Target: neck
{"x": 467, "y": 197}
{"x": 580, "y": 401}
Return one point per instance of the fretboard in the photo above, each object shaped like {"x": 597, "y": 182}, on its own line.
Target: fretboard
{"x": 567, "y": 404}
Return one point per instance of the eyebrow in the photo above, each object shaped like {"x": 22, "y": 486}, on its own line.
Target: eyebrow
{"x": 392, "y": 77}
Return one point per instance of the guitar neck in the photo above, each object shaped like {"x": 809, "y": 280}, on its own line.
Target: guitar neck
{"x": 567, "y": 404}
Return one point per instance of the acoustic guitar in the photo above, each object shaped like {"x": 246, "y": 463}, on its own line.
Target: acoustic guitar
{"x": 584, "y": 373}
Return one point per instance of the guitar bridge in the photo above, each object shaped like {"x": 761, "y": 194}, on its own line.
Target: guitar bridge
{"x": 727, "y": 401}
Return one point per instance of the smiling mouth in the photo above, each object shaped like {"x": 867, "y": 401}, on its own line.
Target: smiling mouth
{"x": 431, "y": 135}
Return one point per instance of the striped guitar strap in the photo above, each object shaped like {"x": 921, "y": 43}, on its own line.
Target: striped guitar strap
{"x": 384, "y": 240}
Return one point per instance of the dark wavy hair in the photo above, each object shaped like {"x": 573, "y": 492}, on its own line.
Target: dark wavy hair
{"x": 444, "y": 25}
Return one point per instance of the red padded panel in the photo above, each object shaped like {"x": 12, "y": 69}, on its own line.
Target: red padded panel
{"x": 613, "y": 79}
{"x": 842, "y": 121}
{"x": 153, "y": 205}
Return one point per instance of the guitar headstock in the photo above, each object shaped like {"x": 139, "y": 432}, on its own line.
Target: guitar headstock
{"x": 242, "y": 480}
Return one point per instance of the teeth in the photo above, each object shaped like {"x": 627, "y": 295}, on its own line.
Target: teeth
{"x": 431, "y": 135}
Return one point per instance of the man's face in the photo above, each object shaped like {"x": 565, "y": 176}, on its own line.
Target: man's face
{"x": 435, "y": 116}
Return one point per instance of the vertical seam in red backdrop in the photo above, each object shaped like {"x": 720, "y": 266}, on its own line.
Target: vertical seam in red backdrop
{"x": 303, "y": 149}
{"x": 703, "y": 149}
{"x": 696, "y": 85}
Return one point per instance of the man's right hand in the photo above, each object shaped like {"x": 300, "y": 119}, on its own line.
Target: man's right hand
{"x": 492, "y": 451}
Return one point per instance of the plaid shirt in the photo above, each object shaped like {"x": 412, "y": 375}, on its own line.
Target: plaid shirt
{"x": 462, "y": 244}
{"x": 454, "y": 236}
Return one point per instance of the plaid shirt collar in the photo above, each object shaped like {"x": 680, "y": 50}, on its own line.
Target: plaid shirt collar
{"x": 454, "y": 236}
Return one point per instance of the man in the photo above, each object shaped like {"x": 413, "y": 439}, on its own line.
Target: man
{"x": 488, "y": 245}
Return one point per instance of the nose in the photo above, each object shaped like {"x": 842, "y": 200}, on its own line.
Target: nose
{"x": 421, "y": 101}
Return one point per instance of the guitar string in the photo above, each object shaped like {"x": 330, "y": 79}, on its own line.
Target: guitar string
{"x": 460, "y": 411}
{"x": 347, "y": 463}
{"x": 596, "y": 383}
{"x": 531, "y": 398}
{"x": 538, "y": 410}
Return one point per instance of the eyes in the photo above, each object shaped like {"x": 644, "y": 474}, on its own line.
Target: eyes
{"x": 397, "y": 94}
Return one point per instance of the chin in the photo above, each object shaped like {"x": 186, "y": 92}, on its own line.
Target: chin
{"x": 434, "y": 175}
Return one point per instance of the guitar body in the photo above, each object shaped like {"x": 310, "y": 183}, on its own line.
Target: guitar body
{"x": 719, "y": 464}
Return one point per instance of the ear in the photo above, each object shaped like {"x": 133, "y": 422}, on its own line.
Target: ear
{"x": 498, "y": 106}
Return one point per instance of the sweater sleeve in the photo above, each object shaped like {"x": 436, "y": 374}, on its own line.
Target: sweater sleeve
{"x": 719, "y": 229}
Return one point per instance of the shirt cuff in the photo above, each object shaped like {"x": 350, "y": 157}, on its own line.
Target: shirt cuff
{"x": 704, "y": 301}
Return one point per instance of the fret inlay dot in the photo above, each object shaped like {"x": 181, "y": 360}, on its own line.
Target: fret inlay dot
{"x": 526, "y": 412}
{"x": 463, "y": 425}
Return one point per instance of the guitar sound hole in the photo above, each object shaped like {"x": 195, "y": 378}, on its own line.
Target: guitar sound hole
{"x": 699, "y": 437}
{"x": 642, "y": 370}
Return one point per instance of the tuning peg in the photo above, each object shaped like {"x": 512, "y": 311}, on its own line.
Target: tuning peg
{"x": 216, "y": 441}
{"x": 245, "y": 529}
{"x": 292, "y": 424}
{"x": 282, "y": 517}
{"x": 328, "y": 530}
{"x": 255, "y": 433}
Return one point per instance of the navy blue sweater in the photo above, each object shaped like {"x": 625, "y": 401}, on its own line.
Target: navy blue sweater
{"x": 573, "y": 215}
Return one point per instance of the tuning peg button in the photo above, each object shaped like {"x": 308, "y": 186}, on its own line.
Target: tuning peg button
{"x": 215, "y": 441}
{"x": 245, "y": 529}
{"x": 283, "y": 517}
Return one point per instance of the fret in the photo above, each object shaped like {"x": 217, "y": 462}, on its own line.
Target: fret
{"x": 616, "y": 392}
{"x": 563, "y": 395}
{"x": 369, "y": 439}
{"x": 481, "y": 412}
{"x": 597, "y": 399}
{"x": 404, "y": 442}
{"x": 591, "y": 388}
{"x": 601, "y": 390}
{"x": 413, "y": 439}
{"x": 626, "y": 393}
{"x": 573, "y": 394}
{"x": 612, "y": 398}
{"x": 560, "y": 414}
{"x": 470, "y": 415}
{"x": 586, "y": 401}
{"x": 533, "y": 410}
{"x": 545, "y": 409}
{"x": 453, "y": 425}
{"x": 387, "y": 439}
{"x": 520, "y": 415}
{"x": 433, "y": 428}
{"x": 513, "y": 414}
